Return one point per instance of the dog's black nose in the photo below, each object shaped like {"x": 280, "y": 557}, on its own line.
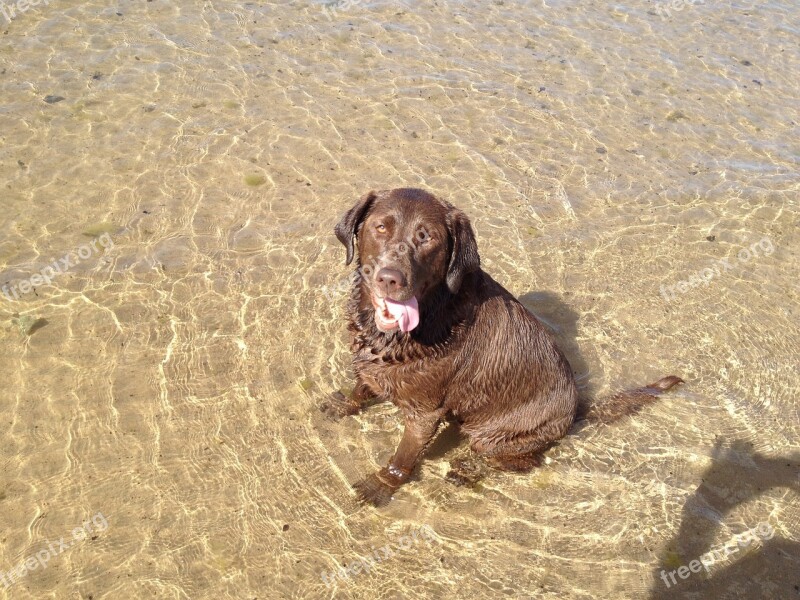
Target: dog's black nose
{"x": 390, "y": 280}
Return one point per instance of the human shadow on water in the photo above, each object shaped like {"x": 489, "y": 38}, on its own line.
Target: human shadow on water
{"x": 758, "y": 562}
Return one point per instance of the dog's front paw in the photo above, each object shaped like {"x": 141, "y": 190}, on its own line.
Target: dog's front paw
{"x": 374, "y": 490}
{"x": 337, "y": 406}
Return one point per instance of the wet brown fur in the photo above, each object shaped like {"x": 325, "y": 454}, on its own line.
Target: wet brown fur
{"x": 477, "y": 354}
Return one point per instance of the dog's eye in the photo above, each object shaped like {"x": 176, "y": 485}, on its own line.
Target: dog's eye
{"x": 380, "y": 228}
{"x": 422, "y": 236}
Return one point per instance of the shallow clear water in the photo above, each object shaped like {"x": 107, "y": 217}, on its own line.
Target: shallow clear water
{"x": 169, "y": 380}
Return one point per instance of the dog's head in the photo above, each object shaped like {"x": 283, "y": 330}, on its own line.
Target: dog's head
{"x": 408, "y": 242}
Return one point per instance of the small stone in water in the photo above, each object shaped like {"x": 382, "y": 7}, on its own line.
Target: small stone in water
{"x": 675, "y": 115}
{"x": 99, "y": 229}
{"x": 255, "y": 180}
{"x": 29, "y": 325}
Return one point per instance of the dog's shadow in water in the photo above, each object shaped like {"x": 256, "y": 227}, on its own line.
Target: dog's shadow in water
{"x": 562, "y": 322}
{"x": 769, "y": 568}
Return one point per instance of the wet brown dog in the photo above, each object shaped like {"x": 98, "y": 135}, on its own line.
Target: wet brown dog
{"x": 437, "y": 336}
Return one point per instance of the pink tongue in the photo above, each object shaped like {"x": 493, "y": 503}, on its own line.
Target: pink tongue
{"x": 405, "y": 313}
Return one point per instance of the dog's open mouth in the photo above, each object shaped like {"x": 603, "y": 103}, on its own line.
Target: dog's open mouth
{"x": 391, "y": 314}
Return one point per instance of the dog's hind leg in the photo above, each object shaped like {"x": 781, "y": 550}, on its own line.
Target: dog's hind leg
{"x": 521, "y": 452}
{"x": 517, "y": 463}
{"x": 465, "y": 472}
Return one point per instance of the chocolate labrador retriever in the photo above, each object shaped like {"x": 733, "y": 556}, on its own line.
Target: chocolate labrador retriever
{"x": 437, "y": 336}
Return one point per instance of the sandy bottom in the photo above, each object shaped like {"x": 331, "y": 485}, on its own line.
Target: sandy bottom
{"x": 631, "y": 171}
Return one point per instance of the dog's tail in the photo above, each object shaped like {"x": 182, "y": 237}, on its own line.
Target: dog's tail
{"x": 625, "y": 403}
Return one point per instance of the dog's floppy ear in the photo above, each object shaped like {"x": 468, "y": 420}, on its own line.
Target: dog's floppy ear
{"x": 346, "y": 228}
{"x": 464, "y": 254}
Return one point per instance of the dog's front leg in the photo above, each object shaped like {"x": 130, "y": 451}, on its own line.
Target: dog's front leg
{"x": 377, "y": 489}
